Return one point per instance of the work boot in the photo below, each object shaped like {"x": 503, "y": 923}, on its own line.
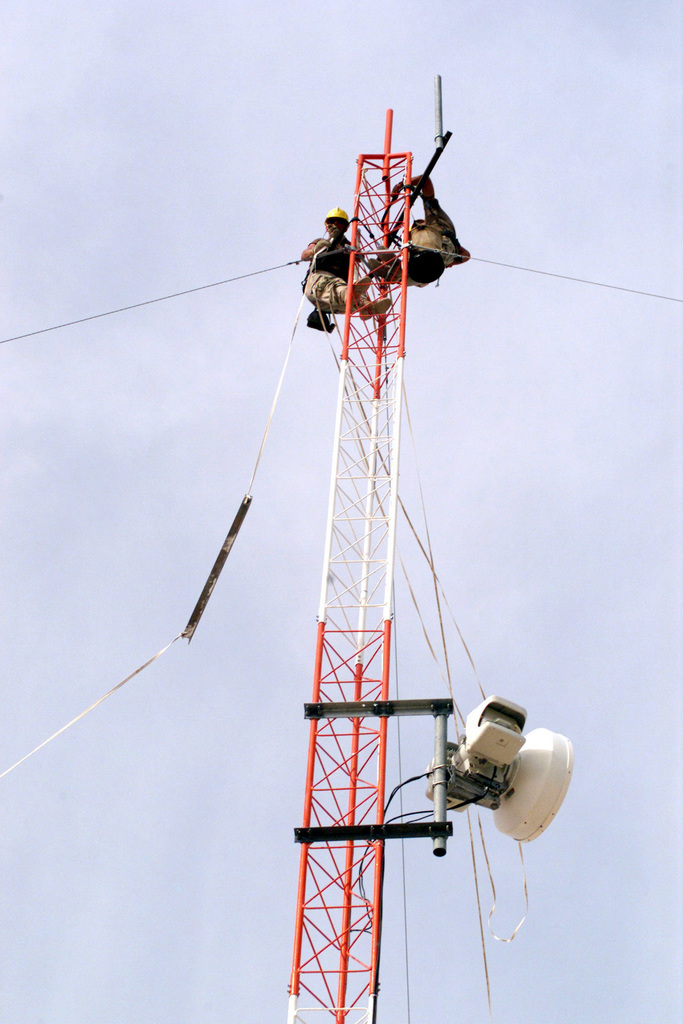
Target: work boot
{"x": 387, "y": 266}
{"x": 375, "y": 308}
{"x": 461, "y": 254}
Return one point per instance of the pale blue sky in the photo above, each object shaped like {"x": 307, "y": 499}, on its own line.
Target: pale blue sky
{"x": 148, "y": 868}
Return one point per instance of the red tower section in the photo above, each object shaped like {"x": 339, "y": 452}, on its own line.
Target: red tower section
{"x": 339, "y": 900}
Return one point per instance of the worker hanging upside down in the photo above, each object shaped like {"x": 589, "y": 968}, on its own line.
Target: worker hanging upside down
{"x": 326, "y": 285}
{"x": 433, "y": 242}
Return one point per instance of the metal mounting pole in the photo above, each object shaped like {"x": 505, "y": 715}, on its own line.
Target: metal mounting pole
{"x": 440, "y": 780}
{"x": 438, "y": 113}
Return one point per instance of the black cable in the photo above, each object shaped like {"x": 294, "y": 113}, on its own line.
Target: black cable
{"x": 422, "y": 815}
{"x": 415, "y": 815}
{"x": 395, "y": 790}
{"x": 361, "y": 868}
{"x": 466, "y": 803}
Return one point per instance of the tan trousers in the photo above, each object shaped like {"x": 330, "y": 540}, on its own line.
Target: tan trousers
{"x": 329, "y": 292}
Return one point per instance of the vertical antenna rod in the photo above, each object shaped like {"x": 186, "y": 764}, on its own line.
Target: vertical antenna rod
{"x": 438, "y": 113}
{"x": 440, "y": 780}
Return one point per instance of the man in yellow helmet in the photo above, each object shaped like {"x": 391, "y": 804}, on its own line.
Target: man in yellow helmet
{"x": 326, "y": 284}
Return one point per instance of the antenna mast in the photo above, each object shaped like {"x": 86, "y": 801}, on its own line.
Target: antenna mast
{"x": 339, "y": 898}
{"x": 338, "y": 922}
{"x": 338, "y": 917}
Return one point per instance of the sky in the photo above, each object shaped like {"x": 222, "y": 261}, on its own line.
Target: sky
{"x": 147, "y": 864}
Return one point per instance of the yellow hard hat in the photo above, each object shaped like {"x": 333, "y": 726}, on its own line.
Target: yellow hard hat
{"x": 337, "y": 214}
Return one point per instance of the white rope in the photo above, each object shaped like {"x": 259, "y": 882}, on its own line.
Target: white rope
{"x": 438, "y": 588}
{"x": 447, "y": 681}
{"x": 481, "y": 922}
{"x": 277, "y": 395}
{"x": 499, "y": 938}
{"x": 164, "y": 649}
{"x": 88, "y": 710}
{"x": 443, "y": 594}
{"x": 430, "y": 557}
{"x": 223, "y": 554}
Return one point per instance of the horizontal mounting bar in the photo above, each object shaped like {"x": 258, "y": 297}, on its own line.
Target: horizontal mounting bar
{"x": 378, "y": 708}
{"x": 374, "y": 833}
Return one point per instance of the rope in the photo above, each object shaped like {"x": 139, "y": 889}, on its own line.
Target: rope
{"x": 278, "y": 389}
{"x": 221, "y": 559}
{"x": 437, "y": 587}
{"x": 493, "y": 889}
{"x": 149, "y": 302}
{"x": 562, "y": 277}
{"x": 292, "y": 263}
{"x": 196, "y": 619}
{"x": 429, "y": 643}
{"x": 579, "y": 280}
{"x": 474, "y": 862}
{"x": 430, "y": 559}
{"x": 88, "y": 710}
{"x": 443, "y": 594}
{"x": 481, "y": 922}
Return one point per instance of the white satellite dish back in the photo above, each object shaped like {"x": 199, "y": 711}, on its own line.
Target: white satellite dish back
{"x": 538, "y": 786}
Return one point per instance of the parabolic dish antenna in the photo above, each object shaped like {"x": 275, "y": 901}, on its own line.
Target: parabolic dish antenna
{"x": 537, "y": 787}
